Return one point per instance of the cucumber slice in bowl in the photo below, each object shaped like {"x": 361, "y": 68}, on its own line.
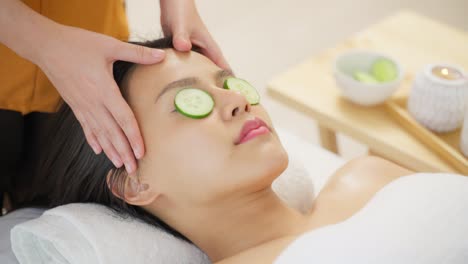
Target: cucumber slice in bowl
{"x": 384, "y": 70}
{"x": 244, "y": 87}
{"x": 364, "y": 77}
{"x": 194, "y": 103}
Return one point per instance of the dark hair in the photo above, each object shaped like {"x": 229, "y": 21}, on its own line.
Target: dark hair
{"x": 70, "y": 172}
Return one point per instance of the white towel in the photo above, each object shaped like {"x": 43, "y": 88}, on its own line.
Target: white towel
{"x": 416, "y": 219}
{"x": 89, "y": 233}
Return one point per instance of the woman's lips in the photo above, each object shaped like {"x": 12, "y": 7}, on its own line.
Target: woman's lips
{"x": 251, "y": 129}
{"x": 253, "y": 133}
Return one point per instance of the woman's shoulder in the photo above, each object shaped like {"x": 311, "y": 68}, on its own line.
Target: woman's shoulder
{"x": 348, "y": 189}
{"x": 366, "y": 173}
{"x": 352, "y": 186}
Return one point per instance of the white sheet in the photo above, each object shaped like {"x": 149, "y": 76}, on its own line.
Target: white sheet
{"x": 422, "y": 218}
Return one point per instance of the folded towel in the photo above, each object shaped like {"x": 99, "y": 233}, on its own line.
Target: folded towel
{"x": 7, "y": 222}
{"x": 91, "y": 233}
{"x": 295, "y": 187}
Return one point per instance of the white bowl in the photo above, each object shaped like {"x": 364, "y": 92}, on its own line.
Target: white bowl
{"x": 367, "y": 94}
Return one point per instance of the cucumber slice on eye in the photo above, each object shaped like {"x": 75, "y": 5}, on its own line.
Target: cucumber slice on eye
{"x": 194, "y": 103}
{"x": 244, "y": 87}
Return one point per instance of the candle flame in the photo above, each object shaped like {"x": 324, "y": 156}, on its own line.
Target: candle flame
{"x": 445, "y": 71}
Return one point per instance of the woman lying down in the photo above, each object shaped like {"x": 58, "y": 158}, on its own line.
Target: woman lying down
{"x": 212, "y": 154}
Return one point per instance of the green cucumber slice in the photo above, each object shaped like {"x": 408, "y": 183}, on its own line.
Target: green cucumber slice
{"x": 194, "y": 103}
{"x": 364, "y": 77}
{"x": 384, "y": 70}
{"x": 244, "y": 87}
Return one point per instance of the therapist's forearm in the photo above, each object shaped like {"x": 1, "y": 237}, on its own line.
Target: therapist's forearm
{"x": 175, "y": 5}
{"x": 166, "y": 2}
{"x": 23, "y": 30}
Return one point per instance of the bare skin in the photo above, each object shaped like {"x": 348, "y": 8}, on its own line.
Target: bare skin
{"x": 348, "y": 190}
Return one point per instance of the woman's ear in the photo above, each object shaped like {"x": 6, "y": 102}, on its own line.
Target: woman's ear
{"x": 133, "y": 192}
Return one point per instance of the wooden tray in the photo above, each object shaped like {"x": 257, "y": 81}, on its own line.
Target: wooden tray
{"x": 446, "y": 145}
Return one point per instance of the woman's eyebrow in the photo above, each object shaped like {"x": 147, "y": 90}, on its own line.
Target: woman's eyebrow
{"x": 179, "y": 83}
{"x": 223, "y": 74}
{"x": 191, "y": 81}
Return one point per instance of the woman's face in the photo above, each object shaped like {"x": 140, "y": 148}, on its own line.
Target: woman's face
{"x": 198, "y": 161}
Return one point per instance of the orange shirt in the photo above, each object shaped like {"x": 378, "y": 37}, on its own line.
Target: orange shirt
{"x": 23, "y": 86}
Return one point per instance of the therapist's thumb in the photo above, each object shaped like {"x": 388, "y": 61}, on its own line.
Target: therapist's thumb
{"x": 138, "y": 54}
{"x": 181, "y": 41}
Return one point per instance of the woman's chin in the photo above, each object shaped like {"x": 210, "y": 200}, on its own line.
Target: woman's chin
{"x": 272, "y": 161}
{"x": 274, "y": 154}
{"x": 260, "y": 160}
{"x": 269, "y": 151}
{"x": 278, "y": 162}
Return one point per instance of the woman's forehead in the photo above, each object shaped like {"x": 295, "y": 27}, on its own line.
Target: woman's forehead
{"x": 145, "y": 81}
{"x": 176, "y": 65}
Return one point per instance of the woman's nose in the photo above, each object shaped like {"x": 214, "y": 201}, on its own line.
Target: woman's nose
{"x": 234, "y": 104}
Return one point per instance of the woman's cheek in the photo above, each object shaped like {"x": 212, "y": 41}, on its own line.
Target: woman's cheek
{"x": 201, "y": 151}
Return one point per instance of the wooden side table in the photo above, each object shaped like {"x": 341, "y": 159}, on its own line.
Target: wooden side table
{"x": 414, "y": 41}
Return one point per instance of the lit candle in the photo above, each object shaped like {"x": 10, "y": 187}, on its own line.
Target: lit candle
{"x": 447, "y": 73}
{"x": 437, "y": 98}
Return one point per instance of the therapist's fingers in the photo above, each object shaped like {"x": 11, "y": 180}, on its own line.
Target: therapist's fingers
{"x": 137, "y": 53}
{"x": 180, "y": 19}
{"x": 105, "y": 143}
{"x": 181, "y": 41}
{"x": 103, "y": 130}
{"x": 211, "y": 49}
{"x": 90, "y": 137}
{"x": 126, "y": 120}
{"x": 100, "y": 125}
{"x": 118, "y": 132}
{"x": 113, "y": 141}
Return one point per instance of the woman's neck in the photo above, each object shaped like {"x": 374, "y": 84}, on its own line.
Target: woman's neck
{"x": 239, "y": 224}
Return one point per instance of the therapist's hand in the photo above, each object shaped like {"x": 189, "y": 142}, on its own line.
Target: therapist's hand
{"x": 180, "y": 19}
{"x": 79, "y": 64}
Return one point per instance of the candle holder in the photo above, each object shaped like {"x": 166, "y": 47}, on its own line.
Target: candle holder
{"x": 439, "y": 97}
